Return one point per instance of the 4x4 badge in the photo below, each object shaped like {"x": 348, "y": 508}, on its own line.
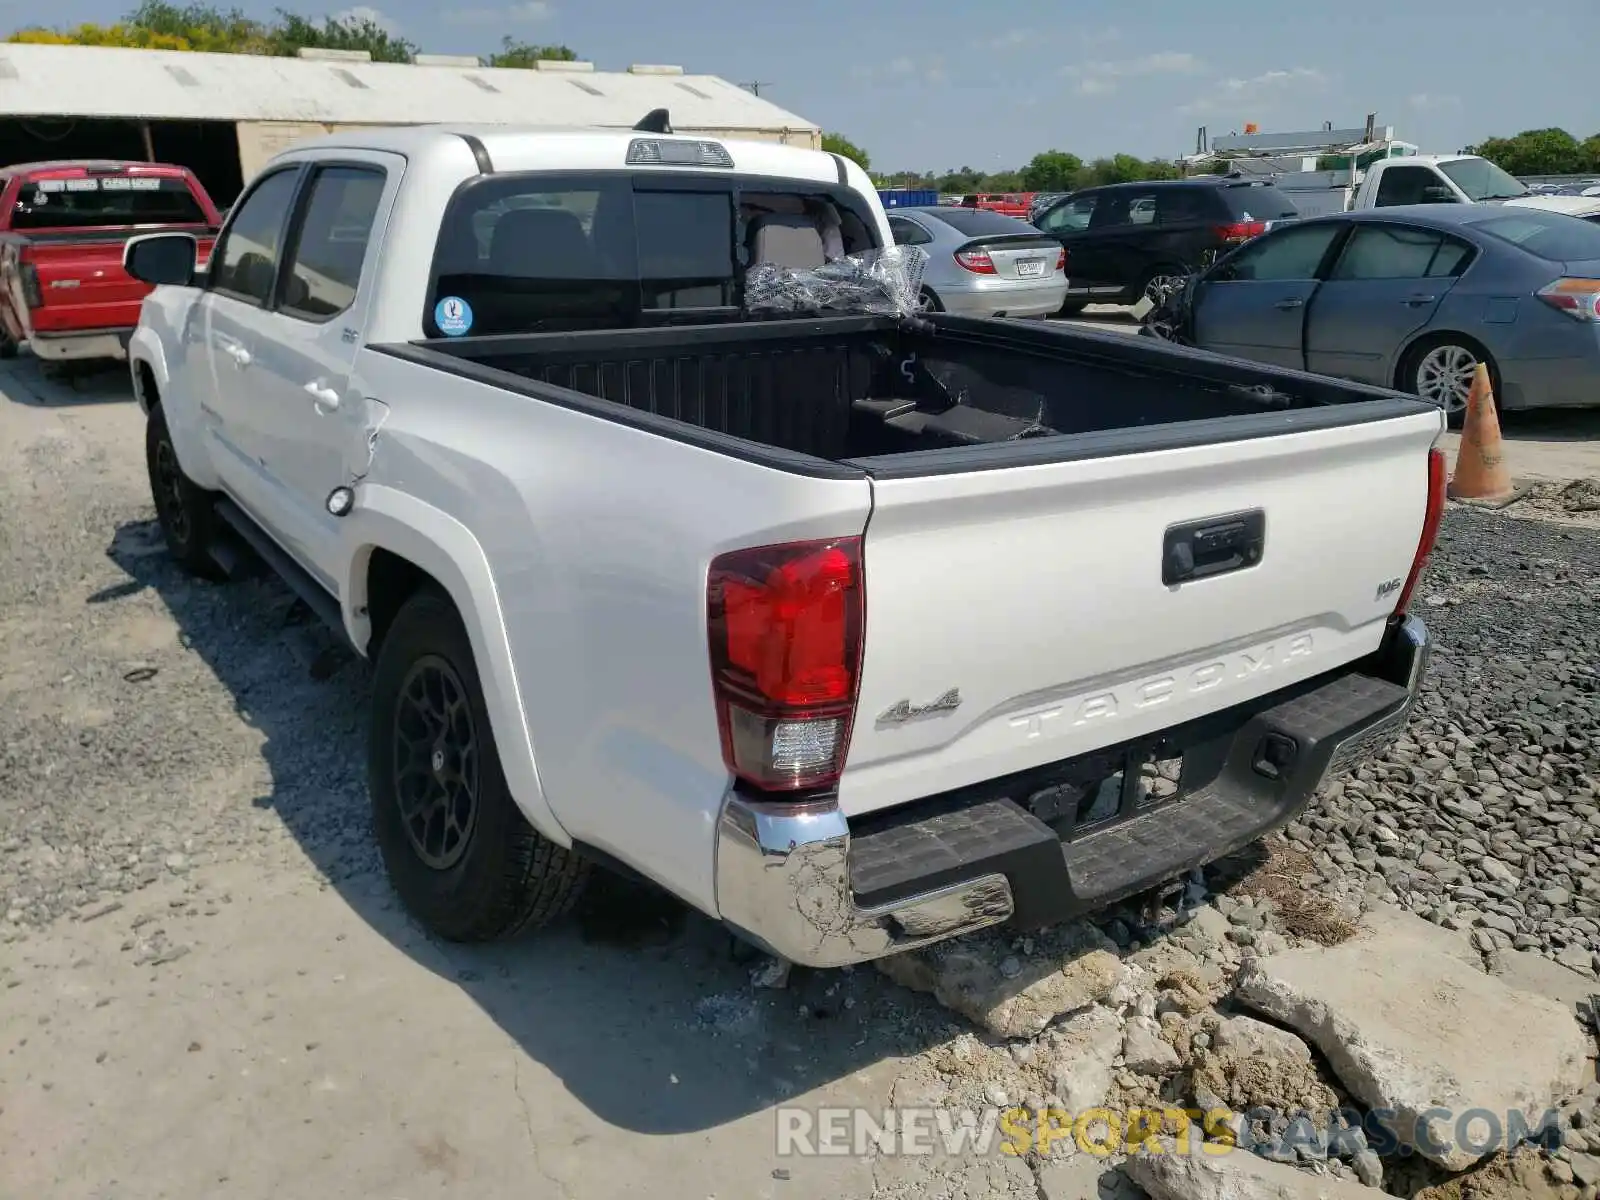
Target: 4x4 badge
{"x": 903, "y": 710}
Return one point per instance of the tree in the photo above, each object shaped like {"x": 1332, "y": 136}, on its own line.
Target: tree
{"x": 1591, "y": 152}
{"x": 525, "y": 54}
{"x": 1052, "y": 171}
{"x": 1536, "y": 152}
{"x": 837, "y": 143}
{"x": 294, "y": 32}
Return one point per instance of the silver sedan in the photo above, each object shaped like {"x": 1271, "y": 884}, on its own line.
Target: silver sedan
{"x": 983, "y": 264}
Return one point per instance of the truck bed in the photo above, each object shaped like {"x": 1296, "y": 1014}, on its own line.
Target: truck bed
{"x": 890, "y": 396}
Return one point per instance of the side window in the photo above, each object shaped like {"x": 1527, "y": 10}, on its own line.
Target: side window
{"x": 1070, "y": 216}
{"x": 1388, "y": 252}
{"x": 325, "y": 262}
{"x": 1113, "y": 211}
{"x": 1141, "y": 208}
{"x": 908, "y": 233}
{"x": 1181, "y": 206}
{"x": 1451, "y": 259}
{"x": 246, "y": 263}
{"x": 1293, "y": 253}
{"x": 1404, "y": 185}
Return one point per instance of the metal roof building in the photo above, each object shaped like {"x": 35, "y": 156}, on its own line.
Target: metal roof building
{"x": 277, "y": 101}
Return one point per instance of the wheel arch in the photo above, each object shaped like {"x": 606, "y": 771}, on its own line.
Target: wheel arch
{"x": 1425, "y": 336}
{"x": 399, "y": 544}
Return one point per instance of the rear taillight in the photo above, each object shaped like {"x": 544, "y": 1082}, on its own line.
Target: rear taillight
{"x": 785, "y": 625}
{"x": 1431, "y": 519}
{"x": 1241, "y": 231}
{"x": 1578, "y": 298}
{"x": 976, "y": 261}
{"x": 1061, "y": 260}
{"x": 31, "y": 294}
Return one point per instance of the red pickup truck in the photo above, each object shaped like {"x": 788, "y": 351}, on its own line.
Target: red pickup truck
{"x": 63, "y": 225}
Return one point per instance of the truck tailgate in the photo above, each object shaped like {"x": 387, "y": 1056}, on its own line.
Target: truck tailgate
{"x": 81, "y": 283}
{"x": 1016, "y": 617}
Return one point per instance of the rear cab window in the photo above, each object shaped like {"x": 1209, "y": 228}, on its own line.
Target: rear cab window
{"x": 548, "y": 251}
{"x": 105, "y": 201}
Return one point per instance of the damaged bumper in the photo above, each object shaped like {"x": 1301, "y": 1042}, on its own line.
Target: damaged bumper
{"x": 798, "y": 880}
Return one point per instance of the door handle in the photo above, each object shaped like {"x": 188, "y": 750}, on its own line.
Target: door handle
{"x": 1291, "y": 302}
{"x": 1413, "y": 301}
{"x": 238, "y": 353}
{"x": 325, "y": 397}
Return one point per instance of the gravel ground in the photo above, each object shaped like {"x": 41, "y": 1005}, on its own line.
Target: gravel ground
{"x": 1485, "y": 815}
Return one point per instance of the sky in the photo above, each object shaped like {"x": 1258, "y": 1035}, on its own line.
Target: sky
{"x": 939, "y": 83}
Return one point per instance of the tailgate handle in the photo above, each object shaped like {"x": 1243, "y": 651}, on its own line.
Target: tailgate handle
{"x": 1214, "y": 546}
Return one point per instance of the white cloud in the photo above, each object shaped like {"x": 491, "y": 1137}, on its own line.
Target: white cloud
{"x": 1432, "y": 100}
{"x": 1011, "y": 39}
{"x": 530, "y": 12}
{"x": 1100, "y": 37}
{"x": 1228, "y": 95}
{"x": 902, "y": 70}
{"x": 362, "y": 14}
{"x": 1099, "y": 78}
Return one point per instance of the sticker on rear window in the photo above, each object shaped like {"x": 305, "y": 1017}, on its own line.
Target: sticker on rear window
{"x": 453, "y": 316}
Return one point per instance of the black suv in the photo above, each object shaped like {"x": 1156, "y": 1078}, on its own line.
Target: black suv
{"x": 1124, "y": 238}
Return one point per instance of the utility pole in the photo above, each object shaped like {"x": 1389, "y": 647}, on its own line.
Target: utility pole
{"x": 754, "y": 87}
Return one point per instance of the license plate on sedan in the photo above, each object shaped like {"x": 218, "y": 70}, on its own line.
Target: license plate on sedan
{"x": 1028, "y": 267}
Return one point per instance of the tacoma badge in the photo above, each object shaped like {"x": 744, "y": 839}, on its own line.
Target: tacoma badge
{"x": 903, "y": 710}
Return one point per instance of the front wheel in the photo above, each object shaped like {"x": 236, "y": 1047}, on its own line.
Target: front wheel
{"x": 1160, "y": 283}
{"x": 459, "y": 852}
{"x": 185, "y": 510}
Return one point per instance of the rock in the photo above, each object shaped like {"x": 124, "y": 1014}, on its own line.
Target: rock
{"x": 1076, "y": 966}
{"x": 1081, "y": 1051}
{"x": 1585, "y": 1168}
{"x": 1235, "y": 1176}
{"x": 1409, "y": 1027}
{"x": 1248, "y": 1036}
{"x": 1145, "y": 1051}
{"x": 1368, "y": 1168}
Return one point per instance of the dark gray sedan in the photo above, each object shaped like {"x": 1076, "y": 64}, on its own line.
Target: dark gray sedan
{"x": 1414, "y": 298}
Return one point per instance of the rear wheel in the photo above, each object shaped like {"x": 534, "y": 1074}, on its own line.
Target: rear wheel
{"x": 459, "y": 852}
{"x": 186, "y": 511}
{"x": 1441, "y": 369}
{"x": 1157, "y": 280}
{"x": 927, "y": 301}
{"x": 8, "y": 344}
{"x": 1071, "y": 308}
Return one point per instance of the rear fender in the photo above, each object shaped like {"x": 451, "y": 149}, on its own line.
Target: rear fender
{"x": 383, "y": 518}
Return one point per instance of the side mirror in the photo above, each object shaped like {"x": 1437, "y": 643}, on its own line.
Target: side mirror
{"x": 1438, "y": 195}
{"x": 161, "y": 258}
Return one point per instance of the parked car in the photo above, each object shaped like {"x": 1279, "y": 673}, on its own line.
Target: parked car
{"x": 1124, "y": 240}
{"x": 63, "y": 225}
{"x": 1414, "y": 298}
{"x": 853, "y": 632}
{"x": 982, "y": 264}
{"x": 1010, "y": 204}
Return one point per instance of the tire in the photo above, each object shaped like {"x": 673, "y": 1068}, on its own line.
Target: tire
{"x": 929, "y": 301}
{"x": 186, "y": 511}
{"x": 496, "y": 876}
{"x": 1440, "y": 368}
{"x": 1071, "y": 308}
{"x": 1150, "y": 278}
{"x": 8, "y": 344}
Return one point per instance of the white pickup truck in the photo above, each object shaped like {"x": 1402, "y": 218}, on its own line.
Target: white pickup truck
{"x": 854, "y": 630}
{"x": 1415, "y": 179}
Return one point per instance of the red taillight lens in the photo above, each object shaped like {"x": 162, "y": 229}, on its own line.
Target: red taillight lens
{"x": 976, "y": 261}
{"x": 1578, "y": 298}
{"x": 31, "y": 294}
{"x": 1061, "y": 260}
{"x": 785, "y": 625}
{"x": 1241, "y": 231}
{"x": 1431, "y": 519}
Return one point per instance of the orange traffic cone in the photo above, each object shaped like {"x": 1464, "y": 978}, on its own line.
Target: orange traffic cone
{"x": 1481, "y": 472}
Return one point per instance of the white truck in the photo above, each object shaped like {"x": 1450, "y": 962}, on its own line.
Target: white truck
{"x": 1410, "y": 179}
{"x": 853, "y": 630}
